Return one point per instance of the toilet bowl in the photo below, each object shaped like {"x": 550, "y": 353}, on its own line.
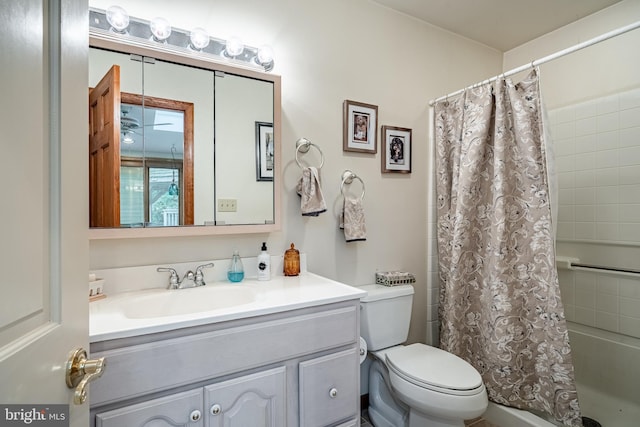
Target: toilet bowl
{"x": 414, "y": 385}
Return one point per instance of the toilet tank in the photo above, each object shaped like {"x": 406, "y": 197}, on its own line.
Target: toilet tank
{"x": 385, "y": 314}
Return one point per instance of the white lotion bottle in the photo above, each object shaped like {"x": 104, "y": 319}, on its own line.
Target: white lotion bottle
{"x": 264, "y": 264}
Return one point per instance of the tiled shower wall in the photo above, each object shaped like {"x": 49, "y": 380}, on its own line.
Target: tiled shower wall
{"x": 604, "y": 301}
{"x": 597, "y": 147}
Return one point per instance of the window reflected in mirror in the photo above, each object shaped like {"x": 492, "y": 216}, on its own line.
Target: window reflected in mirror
{"x": 151, "y": 171}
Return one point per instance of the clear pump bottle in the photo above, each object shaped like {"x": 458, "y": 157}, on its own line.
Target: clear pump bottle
{"x": 235, "y": 273}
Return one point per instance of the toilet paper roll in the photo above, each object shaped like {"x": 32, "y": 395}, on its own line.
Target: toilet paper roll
{"x": 363, "y": 350}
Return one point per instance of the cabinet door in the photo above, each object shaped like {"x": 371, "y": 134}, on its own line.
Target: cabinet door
{"x": 256, "y": 400}
{"x": 329, "y": 389}
{"x": 181, "y": 409}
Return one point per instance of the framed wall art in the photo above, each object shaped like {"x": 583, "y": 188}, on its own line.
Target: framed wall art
{"x": 396, "y": 149}
{"x": 264, "y": 151}
{"x": 360, "y": 126}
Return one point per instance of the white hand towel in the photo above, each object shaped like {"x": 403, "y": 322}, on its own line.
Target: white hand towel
{"x": 352, "y": 220}
{"x": 312, "y": 201}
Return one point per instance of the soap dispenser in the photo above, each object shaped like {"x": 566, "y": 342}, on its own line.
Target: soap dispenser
{"x": 235, "y": 273}
{"x": 264, "y": 263}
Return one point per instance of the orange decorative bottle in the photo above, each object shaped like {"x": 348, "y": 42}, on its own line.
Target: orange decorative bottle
{"x": 291, "y": 261}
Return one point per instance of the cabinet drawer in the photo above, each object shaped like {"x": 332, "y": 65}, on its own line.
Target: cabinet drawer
{"x": 329, "y": 389}
{"x": 176, "y": 410}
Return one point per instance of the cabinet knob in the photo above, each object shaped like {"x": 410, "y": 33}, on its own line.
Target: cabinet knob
{"x": 333, "y": 392}
{"x": 216, "y": 409}
{"x": 195, "y": 415}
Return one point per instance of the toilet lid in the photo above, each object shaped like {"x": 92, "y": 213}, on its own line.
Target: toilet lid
{"x": 433, "y": 368}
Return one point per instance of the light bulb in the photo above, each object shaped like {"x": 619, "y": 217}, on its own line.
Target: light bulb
{"x": 118, "y": 18}
{"x": 199, "y": 38}
{"x": 264, "y": 57}
{"x": 128, "y": 138}
{"x": 234, "y": 47}
{"x": 160, "y": 28}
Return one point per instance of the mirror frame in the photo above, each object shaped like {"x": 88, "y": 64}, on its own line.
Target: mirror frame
{"x": 172, "y": 54}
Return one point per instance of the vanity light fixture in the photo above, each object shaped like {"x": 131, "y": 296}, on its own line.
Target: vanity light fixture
{"x": 199, "y": 39}
{"x": 118, "y": 19}
{"x": 233, "y": 47}
{"x": 115, "y": 25}
{"x": 160, "y": 28}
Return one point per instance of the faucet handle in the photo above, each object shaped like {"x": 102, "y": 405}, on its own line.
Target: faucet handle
{"x": 199, "y": 280}
{"x": 174, "y": 281}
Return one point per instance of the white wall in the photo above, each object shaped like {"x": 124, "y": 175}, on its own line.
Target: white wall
{"x": 596, "y": 131}
{"x": 326, "y": 52}
{"x": 603, "y": 69}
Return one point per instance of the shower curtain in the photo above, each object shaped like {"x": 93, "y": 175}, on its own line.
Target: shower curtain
{"x": 500, "y": 307}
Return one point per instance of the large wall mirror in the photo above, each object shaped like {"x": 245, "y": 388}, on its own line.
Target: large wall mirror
{"x": 179, "y": 145}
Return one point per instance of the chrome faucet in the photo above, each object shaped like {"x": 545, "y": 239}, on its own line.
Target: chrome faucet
{"x": 189, "y": 280}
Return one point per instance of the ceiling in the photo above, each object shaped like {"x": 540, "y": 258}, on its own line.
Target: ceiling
{"x": 500, "y": 24}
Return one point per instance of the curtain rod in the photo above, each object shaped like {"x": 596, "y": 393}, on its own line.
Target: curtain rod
{"x": 547, "y": 58}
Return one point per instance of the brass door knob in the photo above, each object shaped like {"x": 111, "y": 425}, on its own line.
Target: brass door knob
{"x": 81, "y": 371}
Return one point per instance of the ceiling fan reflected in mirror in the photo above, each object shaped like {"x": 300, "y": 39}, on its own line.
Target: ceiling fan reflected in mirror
{"x": 130, "y": 124}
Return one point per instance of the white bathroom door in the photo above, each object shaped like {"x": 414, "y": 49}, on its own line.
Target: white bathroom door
{"x": 44, "y": 203}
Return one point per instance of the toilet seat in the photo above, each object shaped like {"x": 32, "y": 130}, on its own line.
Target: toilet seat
{"x": 434, "y": 369}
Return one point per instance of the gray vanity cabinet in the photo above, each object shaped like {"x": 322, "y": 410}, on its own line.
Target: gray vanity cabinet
{"x": 298, "y": 368}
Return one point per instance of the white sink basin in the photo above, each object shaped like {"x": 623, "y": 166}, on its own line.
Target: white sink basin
{"x": 163, "y": 303}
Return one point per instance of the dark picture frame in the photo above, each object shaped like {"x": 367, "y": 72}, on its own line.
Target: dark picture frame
{"x": 360, "y": 127}
{"x": 396, "y": 149}
{"x": 264, "y": 151}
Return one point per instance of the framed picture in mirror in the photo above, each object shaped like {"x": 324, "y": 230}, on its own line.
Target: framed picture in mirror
{"x": 396, "y": 149}
{"x": 360, "y": 126}
{"x": 264, "y": 151}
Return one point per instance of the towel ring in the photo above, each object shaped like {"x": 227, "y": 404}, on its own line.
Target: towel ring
{"x": 347, "y": 178}
{"x": 303, "y": 145}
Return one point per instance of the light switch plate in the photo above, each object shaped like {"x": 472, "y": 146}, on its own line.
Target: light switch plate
{"x": 227, "y": 205}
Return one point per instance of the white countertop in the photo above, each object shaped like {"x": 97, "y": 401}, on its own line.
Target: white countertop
{"x": 108, "y": 321}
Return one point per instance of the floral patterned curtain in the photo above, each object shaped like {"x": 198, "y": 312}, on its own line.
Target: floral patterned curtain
{"x": 500, "y": 306}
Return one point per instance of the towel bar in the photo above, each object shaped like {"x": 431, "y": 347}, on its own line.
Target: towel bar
{"x": 347, "y": 178}
{"x": 303, "y": 145}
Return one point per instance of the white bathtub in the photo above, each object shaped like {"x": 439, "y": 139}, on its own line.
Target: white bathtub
{"x": 607, "y": 367}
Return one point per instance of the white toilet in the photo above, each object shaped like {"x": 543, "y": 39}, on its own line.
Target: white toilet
{"x": 415, "y": 385}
